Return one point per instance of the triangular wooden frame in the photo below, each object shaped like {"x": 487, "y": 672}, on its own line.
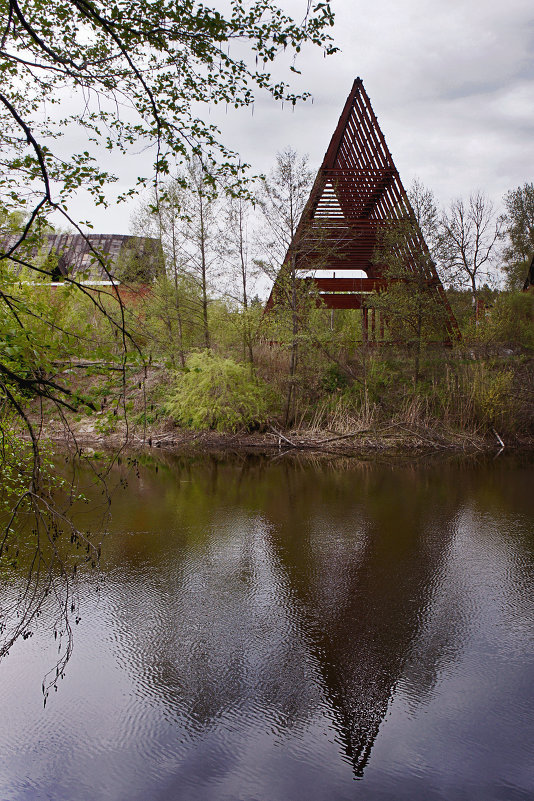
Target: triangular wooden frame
{"x": 356, "y": 193}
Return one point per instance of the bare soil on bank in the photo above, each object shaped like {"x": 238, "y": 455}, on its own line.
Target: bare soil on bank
{"x": 392, "y": 438}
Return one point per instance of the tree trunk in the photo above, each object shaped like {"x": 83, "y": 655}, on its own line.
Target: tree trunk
{"x": 177, "y": 304}
{"x": 418, "y": 342}
{"x": 294, "y": 347}
{"x": 204, "y": 276}
{"x": 247, "y": 338}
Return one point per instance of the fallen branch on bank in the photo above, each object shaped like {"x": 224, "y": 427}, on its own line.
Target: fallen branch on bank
{"x": 281, "y": 436}
{"x": 499, "y": 440}
{"x": 307, "y": 443}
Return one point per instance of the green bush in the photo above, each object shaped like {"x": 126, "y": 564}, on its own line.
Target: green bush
{"x": 334, "y": 379}
{"x": 511, "y": 320}
{"x": 217, "y": 393}
{"x": 378, "y": 379}
{"x": 492, "y": 394}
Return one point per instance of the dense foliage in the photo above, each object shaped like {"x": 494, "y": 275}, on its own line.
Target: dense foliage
{"x": 213, "y": 392}
{"x": 519, "y": 220}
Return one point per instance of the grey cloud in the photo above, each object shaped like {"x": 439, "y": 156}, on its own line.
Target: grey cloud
{"x": 452, "y": 85}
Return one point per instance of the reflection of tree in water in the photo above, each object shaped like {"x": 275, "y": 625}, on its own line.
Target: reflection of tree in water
{"x": 210, "y": 634}
{"x": 41, "y": 549}
{"x": 206, "y": 626}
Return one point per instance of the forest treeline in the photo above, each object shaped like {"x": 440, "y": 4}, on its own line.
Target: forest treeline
{"x": 198, "y": 350}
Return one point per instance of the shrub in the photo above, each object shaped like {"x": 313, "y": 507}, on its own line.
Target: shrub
{"x": 378, "y": 379}
{"x": 212, "y": 392}
{"x": 511, "y": 320}
{"x": 334, "y": 379}
{"x": 492, "y": 394}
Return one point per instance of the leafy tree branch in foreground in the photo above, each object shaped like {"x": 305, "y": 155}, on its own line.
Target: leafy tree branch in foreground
{"x": 119, "y": 77}
{"x": 136, "y": 73}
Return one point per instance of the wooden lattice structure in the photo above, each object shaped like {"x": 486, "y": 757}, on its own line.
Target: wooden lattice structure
{"x": 357, "y": 194}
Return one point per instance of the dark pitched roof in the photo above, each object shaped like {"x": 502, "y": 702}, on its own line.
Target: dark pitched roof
{"x": 95, "y": 256}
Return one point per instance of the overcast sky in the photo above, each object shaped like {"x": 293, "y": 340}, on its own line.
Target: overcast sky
{"x": 452, "y": 85}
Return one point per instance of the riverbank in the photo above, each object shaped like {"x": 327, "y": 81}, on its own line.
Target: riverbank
{"x": 395, "y": 437}
{"x": 478, "y": 404}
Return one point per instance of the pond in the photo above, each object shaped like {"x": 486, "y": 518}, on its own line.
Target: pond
{"x": 273, "y": 630}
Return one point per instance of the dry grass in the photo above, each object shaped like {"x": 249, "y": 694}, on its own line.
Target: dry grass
{"x": 341, "y": 417}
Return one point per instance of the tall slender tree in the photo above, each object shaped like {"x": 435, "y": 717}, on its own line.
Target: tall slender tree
{"x": 282, "y": 200}
{"x": 237, "y": 256}
{"x": 174, "y": 296}
{"x": 412, "y": 310}
{"x": 200, "y": 234}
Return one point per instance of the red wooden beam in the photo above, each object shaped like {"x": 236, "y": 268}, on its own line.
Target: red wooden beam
{"x": 349, "y": 284}
{"x": 338, "y": 300}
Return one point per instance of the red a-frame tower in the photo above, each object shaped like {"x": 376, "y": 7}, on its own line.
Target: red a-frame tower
{"x": 358, "y": 192}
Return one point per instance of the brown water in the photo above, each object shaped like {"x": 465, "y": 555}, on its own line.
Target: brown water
{"x": 273, "y": 631}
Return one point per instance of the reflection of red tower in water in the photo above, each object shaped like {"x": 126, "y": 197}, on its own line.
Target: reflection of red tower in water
{"x": 287, "y": 599}
{"x": 357, "y": 194}
{"x": 364, "y": 600}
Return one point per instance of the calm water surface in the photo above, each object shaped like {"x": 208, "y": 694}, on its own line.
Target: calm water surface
{"x": 274, "y": 631}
